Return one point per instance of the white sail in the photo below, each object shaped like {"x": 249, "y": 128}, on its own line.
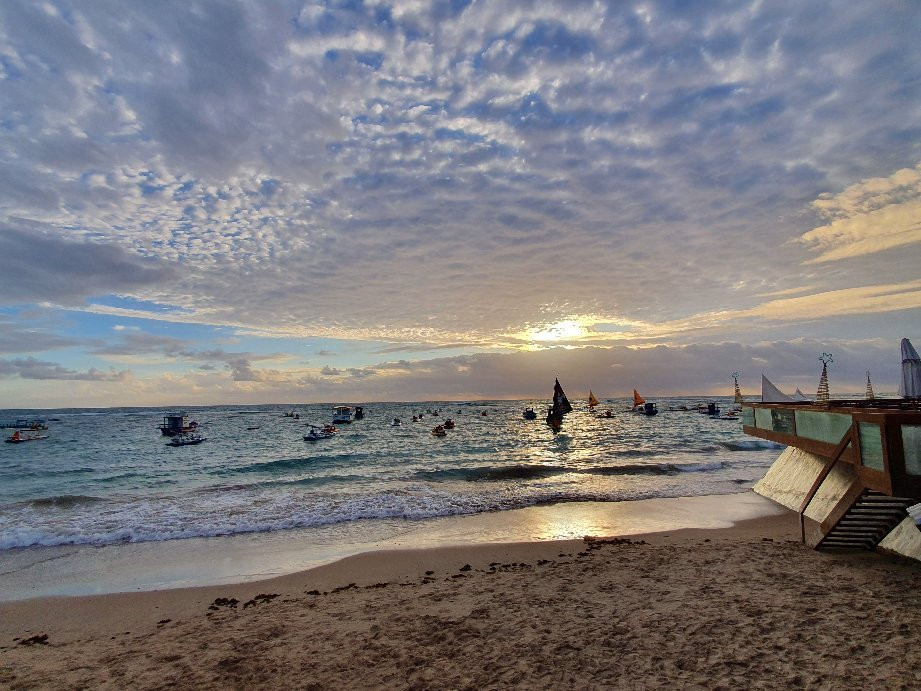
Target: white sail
{"x": 910, "y": 385}
{"x": 771, "y": 394}
{"x": 800, "y": 396}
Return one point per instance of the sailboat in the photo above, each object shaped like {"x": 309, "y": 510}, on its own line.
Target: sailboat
{"x": 641, "y": 406}
{"x": 637, "y": 399}
{"x": 592, "y": 401}
{"x": 559, "y": 408}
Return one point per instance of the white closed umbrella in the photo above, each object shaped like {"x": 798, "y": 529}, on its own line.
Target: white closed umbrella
{"x": 910, "y": 386}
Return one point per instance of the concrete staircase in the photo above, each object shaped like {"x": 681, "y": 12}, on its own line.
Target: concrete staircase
{"x": 867, "y": 522}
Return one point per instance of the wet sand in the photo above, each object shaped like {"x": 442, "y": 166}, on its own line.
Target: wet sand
{"x": 741, "y": 607}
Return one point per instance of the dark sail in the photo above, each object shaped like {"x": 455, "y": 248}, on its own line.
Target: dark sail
{"x": 560, "y": 406}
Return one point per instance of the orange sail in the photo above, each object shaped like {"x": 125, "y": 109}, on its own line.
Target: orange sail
{"x": 592, "y": 401}
{"x": 637, "y": 399}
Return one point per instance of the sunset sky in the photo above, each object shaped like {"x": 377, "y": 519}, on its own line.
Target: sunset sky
{"x": 256, "y": 202}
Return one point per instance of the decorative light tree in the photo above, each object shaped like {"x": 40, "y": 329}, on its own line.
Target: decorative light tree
{"x": 821, "y": 397}
{"x": 738, "y": 392}
{"x": 870, "y": 395}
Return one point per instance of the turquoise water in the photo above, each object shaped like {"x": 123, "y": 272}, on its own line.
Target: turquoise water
{"x": 107, "y": 476}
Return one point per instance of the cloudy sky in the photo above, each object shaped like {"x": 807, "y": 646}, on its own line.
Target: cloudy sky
{"x": 222, "y": 202}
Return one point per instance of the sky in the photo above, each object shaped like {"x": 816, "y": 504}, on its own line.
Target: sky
{"x": 346, "y": 201}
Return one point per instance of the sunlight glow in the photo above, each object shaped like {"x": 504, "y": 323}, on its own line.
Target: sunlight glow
{"x": 567, "y": 330}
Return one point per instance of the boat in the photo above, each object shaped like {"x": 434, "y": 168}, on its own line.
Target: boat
{"x": 22, "y": 423}
{"x": 710, "y": 409}
{"x": 728, "y": 415}
{"x": 19, "y": 436}
{"x": 638, "y": 402}
{"x": 326, "y": 432}
{"x": 800, "y": 396}
{"x": 396, "y": 422}
{"x": 290, "y": 413}
{"x": 529, "y": 414}
{"x": 771, "y": 394}
{"x": 439, "y": 431}
{"x": 449, "y": 424}
{"x": 606, "y": 413}
{"x": 342, "y": 415}
{"x": 592, "y": 401}
{"x": 177, "y": 423}
{"x": 558, "y": 408}
{"x": 642, "y": 406}
{"x": 359, "y": 413}
{"x": 186, "y": 439}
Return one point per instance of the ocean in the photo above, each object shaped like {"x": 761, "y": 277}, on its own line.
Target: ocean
{"x": 107, "y": 476}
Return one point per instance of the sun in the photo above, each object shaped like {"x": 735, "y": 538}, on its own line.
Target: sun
{"x": 566, "y": 330}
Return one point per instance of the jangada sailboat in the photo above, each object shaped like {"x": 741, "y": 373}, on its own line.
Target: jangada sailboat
{"x": 592, "y": 401}
{"x": 638, "y": 401}
{"x": 558, "y": 408}
{"x": 640, "y": 405}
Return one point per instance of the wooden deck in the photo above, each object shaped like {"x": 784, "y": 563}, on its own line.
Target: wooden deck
{"x": 879, "y": 439}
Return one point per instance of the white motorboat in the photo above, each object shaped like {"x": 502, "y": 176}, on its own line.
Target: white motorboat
{"x": 342, "y": 415}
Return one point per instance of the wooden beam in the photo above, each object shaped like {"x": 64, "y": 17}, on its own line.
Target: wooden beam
{"x": 850, "y": 437}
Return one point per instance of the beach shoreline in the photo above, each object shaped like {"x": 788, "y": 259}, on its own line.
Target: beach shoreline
{"x": 230, "y": 560}
{"x": 740, "y": 606}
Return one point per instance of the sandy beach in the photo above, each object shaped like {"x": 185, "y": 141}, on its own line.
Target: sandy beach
{"x": 741, "y": 607}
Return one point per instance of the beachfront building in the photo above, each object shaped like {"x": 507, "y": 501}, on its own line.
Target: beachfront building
{"x": 852, "y": 469}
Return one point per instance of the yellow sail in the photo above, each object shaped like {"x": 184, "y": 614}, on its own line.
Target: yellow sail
{"x": 592, "y": 401}
{"x": 637, "y": 399}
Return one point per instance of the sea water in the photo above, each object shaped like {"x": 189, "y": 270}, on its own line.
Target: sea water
{"x": 107, "y": 476}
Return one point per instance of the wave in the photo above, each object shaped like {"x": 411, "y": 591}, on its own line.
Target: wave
{"x": 116, "y": 478}
{"x": 320, "y": 481}
{"x": 492, "y": 473}
{"x": 156, "y": 523}
{"x": 64, "y": 501}
{"x": 276, "y": 465}
{"x": 655, "y": 468}
{"x": 536, "y": 472}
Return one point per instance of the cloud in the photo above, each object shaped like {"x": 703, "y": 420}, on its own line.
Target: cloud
{"x": 874, "y": 299}
{"x": 423, "y": 175}
{"x": 17, "y": 338}
{"x": 868, "y": 217}
{"x": 30, "y": 368}
{"x": 134, "y": 342}
{"x": 39, "y": 266}
{"x": 241, "y": 370}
